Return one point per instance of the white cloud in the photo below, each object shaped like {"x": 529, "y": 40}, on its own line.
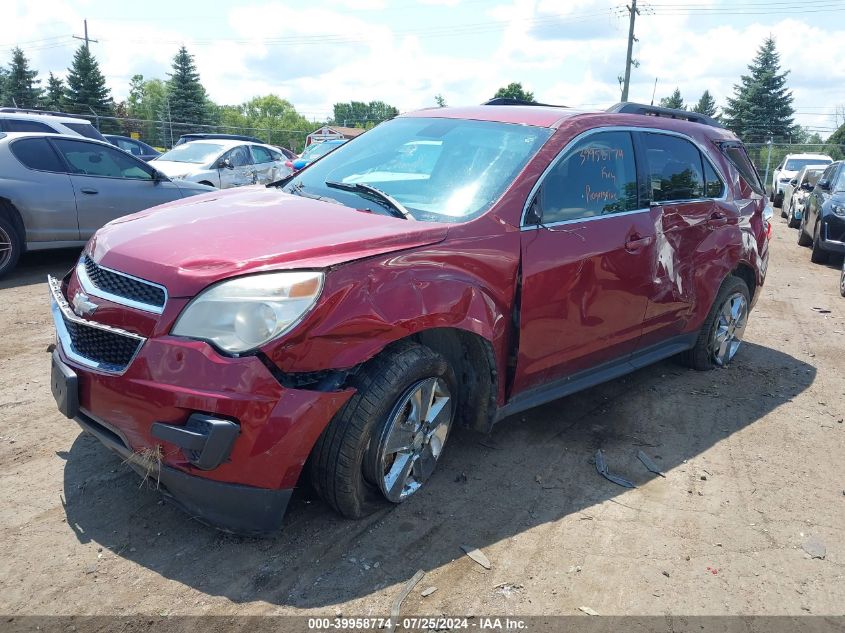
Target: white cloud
{"x": 317, "y": 54}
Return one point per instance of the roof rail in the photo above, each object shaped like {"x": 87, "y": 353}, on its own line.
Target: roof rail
{"x": 34, "y": 111}
{"x": 510, "y": 101}
{"x": 627, "y": 107}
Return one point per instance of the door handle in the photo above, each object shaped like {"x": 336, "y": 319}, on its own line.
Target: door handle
{"x": 89, "y": 190}
{"x": 717, "y": 218}
{"x": 636, "y": 242}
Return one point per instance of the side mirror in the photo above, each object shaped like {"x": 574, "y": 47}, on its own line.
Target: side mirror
{"x": 806, "y": 186}
{"x": 824, "y": 184}
{"x": 225, "y": 163}
{"x": 159, "y": 177}
{"x": 793, "y": 182}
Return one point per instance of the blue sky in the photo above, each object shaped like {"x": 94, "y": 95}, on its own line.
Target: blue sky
{"x": 567, "y": 51}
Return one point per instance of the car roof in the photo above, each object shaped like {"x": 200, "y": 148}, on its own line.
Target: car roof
{"x": 224, "y": 142}
{"x": 11, "y": 136}
{"x": 556, "y": 116}
{"x": 33, "y": 116}
{"x": 807, "y": 155}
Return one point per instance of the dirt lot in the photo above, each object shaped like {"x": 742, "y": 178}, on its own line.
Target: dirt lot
{"x": 754, "y": 457}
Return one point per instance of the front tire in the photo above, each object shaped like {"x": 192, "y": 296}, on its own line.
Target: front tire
{"x": 803, "y": 238}
{"x": 721, "y": 334}
{"x": 11, "y": 245}
{"x": 842, "y": 280}
{"x": 818, "y": 255}
{"x": 384, "y": 444}
{"x": 791, "y": 222}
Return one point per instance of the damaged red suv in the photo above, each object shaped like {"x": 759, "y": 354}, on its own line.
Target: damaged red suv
{"x": 450, "y": 267}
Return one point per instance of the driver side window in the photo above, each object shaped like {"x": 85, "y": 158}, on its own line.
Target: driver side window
{"x": 93, "y": 159}
{"x": 597, "y": 176}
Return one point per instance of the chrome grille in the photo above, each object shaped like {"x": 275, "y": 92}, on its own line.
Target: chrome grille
{"x": 120, "y": 287}
{"x": 91, "y": 344}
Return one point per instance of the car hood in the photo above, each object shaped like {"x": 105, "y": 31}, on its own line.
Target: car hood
{"x": 190, "y": 243}
{"x": 171, "y": 168}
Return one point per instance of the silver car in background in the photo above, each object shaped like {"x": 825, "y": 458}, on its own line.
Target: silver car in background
{"x": 796, "y": 191}
{"x": 223, "y": 163}
{"x": 56, "y": 191}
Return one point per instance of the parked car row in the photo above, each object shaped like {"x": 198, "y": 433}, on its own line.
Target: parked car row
{"x": 61, "y": 180}
{"x": 815, "y": 199}
{"x": 788, "y": 169}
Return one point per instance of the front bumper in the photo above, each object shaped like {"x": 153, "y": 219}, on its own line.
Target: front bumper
{"x": 235, "y": 508}
{"x": 168, "y": 382}
{"x": 832, "y": 233}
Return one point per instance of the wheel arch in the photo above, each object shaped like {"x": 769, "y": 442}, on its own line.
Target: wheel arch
{"x": 10, "y": 212}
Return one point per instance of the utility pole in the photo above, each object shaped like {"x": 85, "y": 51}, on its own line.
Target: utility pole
{"x": 634, "y": 12}
{"x": 88, "y": 39}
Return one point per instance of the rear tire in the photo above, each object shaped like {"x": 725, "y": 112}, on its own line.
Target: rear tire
{"x": 818, "y": 255}
{"x": 11, "y": 246}
{"x": 733, "y": 295}
{"x": 348, "y": 467}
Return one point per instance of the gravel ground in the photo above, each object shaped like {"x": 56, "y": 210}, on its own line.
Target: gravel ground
{"x": 754, "y": 457}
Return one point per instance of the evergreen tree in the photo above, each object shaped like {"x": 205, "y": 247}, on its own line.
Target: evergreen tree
{"x": 761, "y": 107}
{"x": 675, "y": 100}
{"x": 4, "y": 74}
{"x": 86, "y": 86}
{"x": 440, "y": 100}
{"x": 706, "y": 105}
{"x": 514, "y": 90}
{"x": 22, "y": 88}
{"x": 188, "y": 102}
{"x": 54, "y": 98}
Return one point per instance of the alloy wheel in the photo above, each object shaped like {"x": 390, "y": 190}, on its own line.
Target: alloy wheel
{"x": 5, "y": 247}
{"x": 729, "y": 328}
{"x": 413, "y": 438}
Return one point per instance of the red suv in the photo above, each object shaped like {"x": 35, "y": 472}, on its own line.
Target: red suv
{"x": 450, "y": 267}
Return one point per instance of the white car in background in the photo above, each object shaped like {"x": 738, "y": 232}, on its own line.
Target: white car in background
{"x": 23, "y": 120}
{"x": 223, "y": 164}
{"x": 789, "y": 168}
{"x": 796, "y": 191}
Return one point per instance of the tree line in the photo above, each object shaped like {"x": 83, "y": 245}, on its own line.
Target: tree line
{"x": 161, "y": 110}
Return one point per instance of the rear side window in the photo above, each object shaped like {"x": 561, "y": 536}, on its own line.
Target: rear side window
{"x": 597, "y": 176}
{"x": 261, "y": 154}
{"x": 675, "y": 169}
{"x": 36, "y": 153}
{"x": 85, "y": 129}
{"x": 18, "y": 125}
{"x": 713, "y": 185}
{"x": 736, "y": 153}
{"x": 129, "y": 146}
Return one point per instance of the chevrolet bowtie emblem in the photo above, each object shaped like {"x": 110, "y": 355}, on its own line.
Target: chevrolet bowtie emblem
{"x": 82, "y": 305}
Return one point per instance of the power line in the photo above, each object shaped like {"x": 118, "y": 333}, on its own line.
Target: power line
{"x": 86, "y": 38}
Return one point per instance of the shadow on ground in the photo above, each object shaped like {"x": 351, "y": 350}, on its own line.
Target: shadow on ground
{"x": 34, "y": 267}
{"x": 486, "y": 489}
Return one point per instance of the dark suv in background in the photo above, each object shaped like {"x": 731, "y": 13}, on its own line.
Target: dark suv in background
{"x": 452, "y": 266}
{"x": 823, "y": 222}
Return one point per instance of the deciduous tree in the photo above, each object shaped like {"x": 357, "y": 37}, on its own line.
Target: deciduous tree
{"x": 514, "y": 90}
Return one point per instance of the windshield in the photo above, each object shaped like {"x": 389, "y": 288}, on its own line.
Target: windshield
{"x": 795, "y": 164}
{"x": 441, "y": 170}
{"x": 197, "y": 153}
{"x": 320, "y": 149}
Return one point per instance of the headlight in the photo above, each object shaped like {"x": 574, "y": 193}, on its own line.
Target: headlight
{"x": 245, "y": 313}
{"x": 838, "y": 209}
